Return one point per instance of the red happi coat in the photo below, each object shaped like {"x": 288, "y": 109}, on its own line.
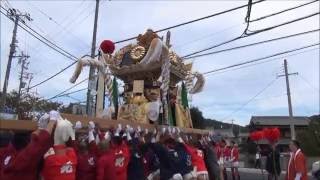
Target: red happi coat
{"x": 297, "y": 164}
{"x": 23, "y": 164}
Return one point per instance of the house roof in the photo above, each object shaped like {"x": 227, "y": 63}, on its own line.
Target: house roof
{"x": 224, "y": 132}
{"x": 279, "y": 120}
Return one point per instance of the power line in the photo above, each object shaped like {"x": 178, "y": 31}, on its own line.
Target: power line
{"x": 251, "y": 99}
{"x": 280, "y": 12}
{"x": 260, "y": 59}
{"x": 185, "y": 23}
{"x": 45, "y": 41}
{"x": 56, "y": 74}
{"x": 250, "y": 34}
{"x": 273, "y": 59}
{"x": 203, "y": 37}
{"x": 306, "y": 81}
{"x": 195, "y": 20}
{"x": 72, "y": 92}
{"x": 69, "y": 89}
{"x": 57, "y": 23}
{"x": 253, "y": 44}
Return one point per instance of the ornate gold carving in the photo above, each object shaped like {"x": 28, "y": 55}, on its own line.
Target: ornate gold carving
{"x": 137, "y": 53}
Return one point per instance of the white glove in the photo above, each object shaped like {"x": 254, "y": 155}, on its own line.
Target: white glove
{"x": 78, "y": 125}
{"x": 298, "y": 176}
{"x": 153, "y": 140}
{"x": 128, "y": 136}
{"x": 107, "y": 136}
{"x": 169, "y": 130}
{"x": 54, "y": 115}
{"x": 139, "y": 129}
{"x": 91, "y": 136}
{"x": 173, "y": 130}
{"x": 180, "y": 140}
{"x": 154, "y": 131}
{"x": 163, "y": 130}
{"x": 43, "y": 121}
{"x": 117, "y": 133}
{"x": 91, "y": 126}
{"x": 146, "y": 131}
{"x": 178, "y": 130}
{"x": 136, "y": 134}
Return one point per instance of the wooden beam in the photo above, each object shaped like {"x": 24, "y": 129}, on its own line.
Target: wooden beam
{"x": 103, "y": 124}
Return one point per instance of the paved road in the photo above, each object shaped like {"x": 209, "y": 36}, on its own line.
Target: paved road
{"x": 252, "y": 174}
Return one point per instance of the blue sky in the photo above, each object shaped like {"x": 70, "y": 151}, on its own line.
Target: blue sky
{"x": 71, "y": 28}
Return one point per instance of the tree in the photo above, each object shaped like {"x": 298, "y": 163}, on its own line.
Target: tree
{"x": 29, "y": 102}
{"x": 197, "y": 118}
{"x": 310, "y": 139}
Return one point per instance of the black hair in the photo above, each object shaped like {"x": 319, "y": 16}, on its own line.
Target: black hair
{"x": 20, "y": 140}
{"x": 223, "y": 141}
{"x": 232, "y": 142}
{"x": 296, "y": 143}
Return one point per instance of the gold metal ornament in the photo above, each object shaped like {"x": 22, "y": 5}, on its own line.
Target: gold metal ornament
{"x": 137, "y": 53}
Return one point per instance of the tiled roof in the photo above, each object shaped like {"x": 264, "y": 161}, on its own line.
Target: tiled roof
{"x": 279, "y": 120}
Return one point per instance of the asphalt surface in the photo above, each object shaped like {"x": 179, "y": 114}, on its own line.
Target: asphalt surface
{"x": 251, "y": 174}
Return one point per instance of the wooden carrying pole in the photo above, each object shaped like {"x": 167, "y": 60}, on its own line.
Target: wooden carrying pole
{"x": 29, "y": 125}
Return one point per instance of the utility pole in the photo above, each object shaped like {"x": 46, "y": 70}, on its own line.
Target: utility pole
{"x": 292, "y": 130}
{"x": 30, "y": 76}
{"x": 24, "y": 66}
{"x": 17, "y": 16}
{"x": 92, "y": 77}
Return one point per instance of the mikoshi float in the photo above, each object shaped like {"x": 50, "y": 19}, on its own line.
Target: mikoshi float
{"x": 156, "y": 80}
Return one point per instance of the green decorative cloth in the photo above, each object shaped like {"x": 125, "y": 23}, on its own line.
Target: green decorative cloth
{"x": 115, "y": 92}
{"x": 184, "y": 96}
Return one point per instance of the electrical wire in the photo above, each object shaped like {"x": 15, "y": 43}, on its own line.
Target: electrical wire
{"x": 54, "y": 75}
{"x": 251, "y": 99}
{"x": 253, "y": 44}
{"x": 266, "y": 61}
{"x": 280, "y": 12}
{"x": 260, "y": 59}
{"x": 185, "y": 23}
{"x": 45, "y": 41}
{"x": 72, "y": 92}
{"x": 250, "y": 34}
{"x": 68, "y": 89}
{"x": 195, "y": 20}
{"x": 57, "y": 23}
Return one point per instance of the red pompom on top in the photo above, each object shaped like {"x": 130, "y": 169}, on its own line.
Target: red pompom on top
{"x": 272, "y": 134}
{"x": 107, "y": 46}
{"x": 256, "y": 135}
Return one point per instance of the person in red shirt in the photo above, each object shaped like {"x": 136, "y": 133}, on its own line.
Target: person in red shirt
{"x": 223, "y": 155}
{"x": 60, "y": 161}
{"x": 87, "y": 153}
{"x": 21, "y": 159}
{"x": 297, "y": 169}
{"x": 234, "y": 161}
{"x": 115, "y": 159}
{"x": 197, "y": 157}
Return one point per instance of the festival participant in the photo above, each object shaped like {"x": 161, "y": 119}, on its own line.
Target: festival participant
{"x": 223, "y": 156}
{"x": 150, "y": 159}
{"x": 234, "y": 161}
{"x": 258, "y": 158}
{"x": 273, "y": 163}
{"x": 297, "y": 169}
{"x": 197, "y": 158}
{"x": 136, "y": 167}
{"x": 175, "y": 162}
{"x": 113, "y": 163}
{"x": 86, "y": 150}
{"x": 21, "y": 158}
{"x": 60, "y": 161}
{"x": 211, "y": 160}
